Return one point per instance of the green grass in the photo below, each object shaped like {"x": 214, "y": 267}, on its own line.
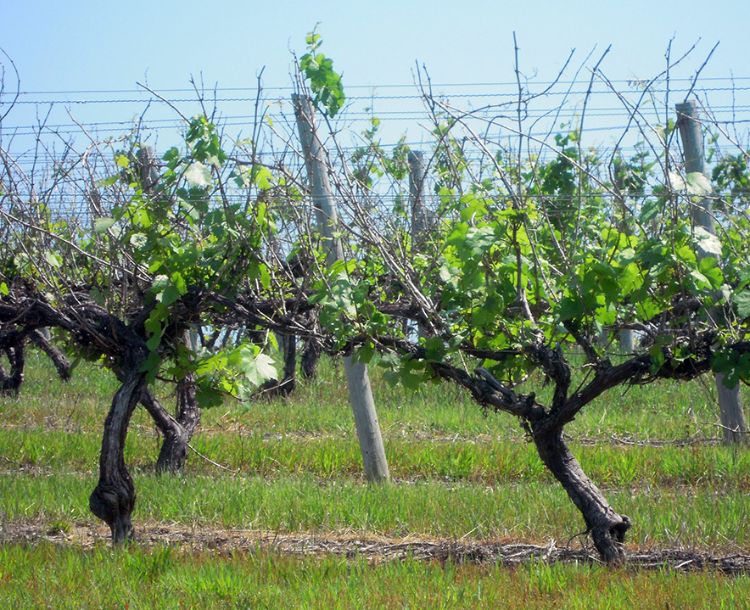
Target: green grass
{"x": 296, "y": 468}
{"x": 46, "y": 576}
{"x": 659, "y": 411}
{"x": 488, "y": 461}
{"x": 301, "y": 452}
{"x": 535, "y": 511}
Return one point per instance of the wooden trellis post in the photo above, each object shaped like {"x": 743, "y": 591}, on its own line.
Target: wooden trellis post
{"x": 358, "y": 381}
{"x": 691, "y": 135}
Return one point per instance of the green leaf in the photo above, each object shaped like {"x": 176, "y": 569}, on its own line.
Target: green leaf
{"x": 650, "y": 210}
{"x": 208, "y": 397}
{"x": 630, "y": 278}
{"x": 734, "y": 366}
{"x": 153, "y": 323}
{"x": 392, "y": 377}
{"x": 179, "y": 282}
{"x": 657, "y": 356}
{"x": 138, "y": 240}
{"x": 160, "y": 282}
{"x": 105, "y": 182}
{"x": 700, "y": 279}
{"x": 411, "y": 381}
{"x": 364, "y": 353}
{"x": 259, "y": 370}
{"x": 264, "y": 275}
{"x": 153, "y": 342}
{"x": 709, "y": 267}
{"x": 150, "y": 366}
{"x": 606, "y": 315}
{"x": 198, "y": 174}
{"x": 312, "y": 38}
{"x": 570, "y": 309}
{"x": 646, "y": 309}
{"x": 742, "y": 300}
{"x": 101, "y": 225}
{"x": 169, "y": 295}
{"x": 99, "y": 296}
{"x": 325, "y": 83}
{"x": 4, "y": 289}
{"x": 434, "y": 349}
{"x": 53, "y": 259}
{"x": 172, "y": 156}
{"x": 264, "y": 178}
{"x": 707, "y": 242}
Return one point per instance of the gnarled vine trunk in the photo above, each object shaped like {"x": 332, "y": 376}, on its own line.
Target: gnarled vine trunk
{"x": 113, "y": 498}
{"x": 177, "y": 432}
{"x": 310, "y": 358}
{"x": 59, "y": 359}
{"x": 11, "y": 383}
{"x": 289, "y": 350}
{"x": 607, "y": 527}
{"x": 175, "y": 446}
{"x": 14, "y": 347}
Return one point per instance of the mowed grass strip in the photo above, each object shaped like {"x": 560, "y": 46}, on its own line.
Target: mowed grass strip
{"x": 659, "y": 411}
{"x": 490, "y": 461}
{"x": 534, "y": 511}
{"x": 50, "y": 576}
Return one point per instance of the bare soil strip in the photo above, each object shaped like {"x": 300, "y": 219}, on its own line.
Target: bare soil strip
{"x": 373, "y": 548}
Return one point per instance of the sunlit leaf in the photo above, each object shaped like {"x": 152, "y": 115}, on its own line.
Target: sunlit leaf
{"x": 198, "y": 174}
{"x": 698, "y": 184}
{"x": 707, "y": 242}
{"x": 101, "y": 225}
{"x": 53, "y": 259}
{"x": 742, "y": 301}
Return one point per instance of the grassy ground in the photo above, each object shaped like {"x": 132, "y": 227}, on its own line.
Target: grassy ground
{"x": 702, "y": 517}
{"x": 294, "y": 466}
{"x": 46, "y": 576}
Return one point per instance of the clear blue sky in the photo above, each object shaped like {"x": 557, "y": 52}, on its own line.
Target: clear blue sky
{"x": 85, "y": 44}
{"x": 78, "y": 44}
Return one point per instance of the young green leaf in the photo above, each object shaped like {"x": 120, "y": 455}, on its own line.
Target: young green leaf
{"x": 101, "y": 225}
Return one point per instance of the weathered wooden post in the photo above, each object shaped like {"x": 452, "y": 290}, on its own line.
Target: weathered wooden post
{"x": 419, "y": 224}
{"x": 358, "y": 381}
{"x": 691, "y": 135}
{"x": 417, "y": 175}
{"x": 148, "y": 168}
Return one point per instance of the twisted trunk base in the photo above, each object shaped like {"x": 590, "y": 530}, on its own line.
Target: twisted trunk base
{"x": 310, "y": 359}
{"x": 113, "y": 498}
{"x": 175, "y": 447}
{"x": 607, "y": 527}
{"x": 177, "y": 432}
{"x": 11, "y": 383}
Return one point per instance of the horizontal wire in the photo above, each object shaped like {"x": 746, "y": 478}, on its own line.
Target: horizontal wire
{"x": 28, "y": 159}
{"x": 241, "y": 197}
{"x": 171, "y": 123}
{"x": 148, "y": 97}
{"x": 628, "y": 81}
{"x": 415, "y": 119}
